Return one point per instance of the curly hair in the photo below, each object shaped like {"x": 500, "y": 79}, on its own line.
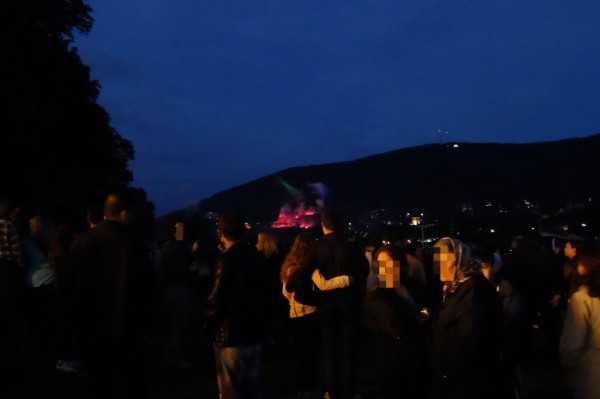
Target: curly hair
{"x": 296, "y": 255}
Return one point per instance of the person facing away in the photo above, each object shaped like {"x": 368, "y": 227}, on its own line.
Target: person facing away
{"x": 176, "y": 311}
{"x": 64, "y": 282}
{"x": 304, "y": 318}
{"x": 266, "y": 245}
{"x": 235, "y": 314}
{"x": 516, "y": 321}
{"x": 111, "y": 292}
{"x": 467, "y": 343}
{"x": 538, "y": 274}
{"x": 416, "y": 269}
{"x": 579, "y": 347}
{"x": 39, "y": 282}
{"x": 340, "y": 309}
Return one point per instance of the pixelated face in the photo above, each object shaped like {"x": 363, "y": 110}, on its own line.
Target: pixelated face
{"x": 581, "y": 269}
{"x": 487, "y": 270}
{"x": 444, "y": 263}
{"x": 179, "y": 231}
{"x": 389, "y": 271}
{"x": 570, "y": 251}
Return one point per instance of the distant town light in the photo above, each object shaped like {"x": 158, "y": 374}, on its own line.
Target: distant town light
{"x": 583, "y": 224}
{"x": 455, "y": 146}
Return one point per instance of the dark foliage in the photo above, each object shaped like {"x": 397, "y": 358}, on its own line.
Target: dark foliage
{"x": 59, "y": 151}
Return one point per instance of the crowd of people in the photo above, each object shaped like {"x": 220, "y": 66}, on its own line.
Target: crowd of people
{"x": 376, "y": 319}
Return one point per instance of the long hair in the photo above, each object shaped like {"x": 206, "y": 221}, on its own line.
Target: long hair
{"x": 296, "y": 255}
{"x": 267, "y": 244}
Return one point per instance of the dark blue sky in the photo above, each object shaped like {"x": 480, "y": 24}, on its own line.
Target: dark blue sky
{"x": 214, "y": 94}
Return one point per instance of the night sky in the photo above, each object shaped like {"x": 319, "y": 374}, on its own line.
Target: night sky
{"x": 214, "y": 94}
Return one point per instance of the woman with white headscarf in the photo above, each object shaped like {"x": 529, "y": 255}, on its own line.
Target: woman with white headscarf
{"x": 467, "y": 344}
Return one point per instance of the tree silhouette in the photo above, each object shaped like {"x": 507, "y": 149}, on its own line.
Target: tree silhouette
{"x": 59, "y": 151}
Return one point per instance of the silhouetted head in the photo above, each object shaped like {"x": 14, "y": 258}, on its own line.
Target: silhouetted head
{"x": 330, "y": 219}
{"x": 231, "y": 225}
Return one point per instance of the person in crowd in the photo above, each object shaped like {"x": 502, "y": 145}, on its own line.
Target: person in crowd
{"x": 64, "y": 284}
{"x": 204, "y": 259}
{"x": 467, "y": 336}
{"x": 11, "y": 266}
{"x": 516, "y": 321}
{"x": 174, "y": 264}
{"x": 94, "y": 215}
{"x": 304, "y": 318}
{"x": 341, "y": 309}
{"x": 572, "y": 245}
{"x": 113, "y": 290}
{"x": 397, "y": 311}
{"x": 39, "y": 283}
{"x": 416, "y": 269}
{"x": 235, "y": 313}
{"x": 267, "y": 246}
{"x": 537, "y": 272}
{"x": 580, "y": 338}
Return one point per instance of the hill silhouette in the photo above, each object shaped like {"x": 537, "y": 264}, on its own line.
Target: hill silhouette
{"x": 433, "y": 178}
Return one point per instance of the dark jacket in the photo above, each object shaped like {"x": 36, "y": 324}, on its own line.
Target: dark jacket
{"x": 236, "y": 311}
{"x": 113, "y": 286}
{"x": 467, "y": 344}
{"x": 401, "y": 348}
{"x": 334, "y": 255}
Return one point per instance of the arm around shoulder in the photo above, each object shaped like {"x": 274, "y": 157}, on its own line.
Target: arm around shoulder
{"x": 330, "y": 284}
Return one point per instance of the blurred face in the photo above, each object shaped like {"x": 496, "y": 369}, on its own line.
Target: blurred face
{"x": 389, "y": 271}
{"x": 486, "y": 270}
{"x": 34, "y": 226}
{"x": 445, "y": 262}
{"x": 570, "y": 251}
{"x": 179, "y": 230}
{"x": 581, "y": 269}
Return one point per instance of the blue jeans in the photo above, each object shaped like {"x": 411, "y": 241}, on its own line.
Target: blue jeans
{"x": 239, "y": 371}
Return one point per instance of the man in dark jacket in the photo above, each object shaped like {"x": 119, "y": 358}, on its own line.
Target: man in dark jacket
{"x": 235, "y": 312}
{"x": 340, "y": 309}
{"x": 112, "y": 289}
